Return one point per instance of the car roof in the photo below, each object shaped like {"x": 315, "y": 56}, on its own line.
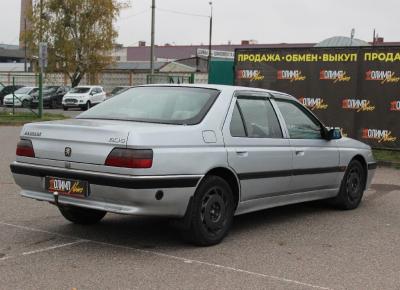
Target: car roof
{"x": 30, "y": 88}
{"x": 89, "y": 87}
{"x": 224, "y": 88}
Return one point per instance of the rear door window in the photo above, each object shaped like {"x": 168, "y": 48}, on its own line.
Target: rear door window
{"x": 255, "y": 118}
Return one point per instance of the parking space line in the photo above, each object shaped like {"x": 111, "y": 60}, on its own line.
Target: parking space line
{"x": 38, "y": 230}
{"x": 53, "y": 248}
{"x": 43, "y": 250}
{"x": 177, "y": 258}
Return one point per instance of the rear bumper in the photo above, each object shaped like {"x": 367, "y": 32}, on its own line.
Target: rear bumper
{"x": 116, "y": 193}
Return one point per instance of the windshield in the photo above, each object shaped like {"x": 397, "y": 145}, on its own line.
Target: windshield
{"x": 50, "y": 89}
{"x": 25, "y": 90}
{"x": 79, "y": 90}
{"x": 168, "y": 105}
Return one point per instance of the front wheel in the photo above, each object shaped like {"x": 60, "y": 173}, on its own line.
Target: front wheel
{"x": 26, "y": 104}
{"x": 211, "y": 212}
{"x": 80, "y": 215}
{"x": 87, "y": 106}
{"x": 352, "y": 187}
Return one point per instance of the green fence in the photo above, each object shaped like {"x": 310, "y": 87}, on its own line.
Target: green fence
{"x": 221, "y": 72}
{"x": 21, "y": 104}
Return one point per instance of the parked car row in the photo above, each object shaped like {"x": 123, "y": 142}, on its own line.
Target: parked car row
{"x": 82, "y": 97}
{"x": 52, "y": 96}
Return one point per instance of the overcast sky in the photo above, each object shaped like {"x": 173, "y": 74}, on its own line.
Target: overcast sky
{"x": 267, "y": 21}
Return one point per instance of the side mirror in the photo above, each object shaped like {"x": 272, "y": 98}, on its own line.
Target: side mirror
{"x": 333, "y": 134}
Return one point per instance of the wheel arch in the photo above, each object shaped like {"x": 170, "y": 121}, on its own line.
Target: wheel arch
{"x": 230, "y": 177}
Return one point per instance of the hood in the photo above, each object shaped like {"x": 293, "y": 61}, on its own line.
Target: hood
{"x": 75, "y": 95}
{"x": 349, "y": 142}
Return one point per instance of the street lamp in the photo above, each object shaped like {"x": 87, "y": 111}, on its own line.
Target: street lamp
{"x": 210, "y": 40}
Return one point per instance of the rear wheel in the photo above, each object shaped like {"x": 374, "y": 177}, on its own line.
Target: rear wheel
{"x": 65, "y": 108}
{"x": 53, "y": 104}
{"x": 211, "y": 212}
{"x": 82, "y": 216}
{"x": 352, "y": 187}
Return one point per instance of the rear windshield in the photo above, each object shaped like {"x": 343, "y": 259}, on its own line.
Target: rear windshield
{"x": 168, "y": 105}
{"x": 79, "y": 90}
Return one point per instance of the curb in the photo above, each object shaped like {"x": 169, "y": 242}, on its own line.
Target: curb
{"x": 391, "y": 164}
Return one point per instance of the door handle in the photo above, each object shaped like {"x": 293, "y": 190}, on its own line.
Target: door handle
{"x": 242, "y": 153}
{"x": 299, "y": 153}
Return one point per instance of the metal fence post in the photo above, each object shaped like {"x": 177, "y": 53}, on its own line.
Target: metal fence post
{"x": 40, "y": 95}
{"x": 14, "y": 97}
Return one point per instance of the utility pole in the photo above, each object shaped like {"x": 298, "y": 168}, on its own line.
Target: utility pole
{"x": 153, "y": 21}
{"x": 210, "y": 40}
{"x": 41, "y": 66}
{"x": 374, "y": 38}
{"x": 25, "y": 48}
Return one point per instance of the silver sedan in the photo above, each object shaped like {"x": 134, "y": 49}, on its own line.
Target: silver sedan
{"x": 197, "y": 154}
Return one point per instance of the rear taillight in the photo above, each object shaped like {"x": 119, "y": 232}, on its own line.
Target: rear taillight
{"x": 130, "y": 158}
{"x": 25, "y": 148}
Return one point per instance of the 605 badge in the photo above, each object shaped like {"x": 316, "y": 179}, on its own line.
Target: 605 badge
{"x": 69, "y": 187}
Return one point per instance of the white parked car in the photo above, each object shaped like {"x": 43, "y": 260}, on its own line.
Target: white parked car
{"x": 83, "y": 97}
{"x": 21, "y": 97}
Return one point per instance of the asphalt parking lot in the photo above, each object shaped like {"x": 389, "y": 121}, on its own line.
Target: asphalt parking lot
{"x": 307, "y": 246}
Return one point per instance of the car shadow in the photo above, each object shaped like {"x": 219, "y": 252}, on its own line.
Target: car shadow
{"x": 151, "y": 233}
{"x": 278, "y": 215}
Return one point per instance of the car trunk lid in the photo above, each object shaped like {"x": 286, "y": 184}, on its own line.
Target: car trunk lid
{"x": 83, "y": 141}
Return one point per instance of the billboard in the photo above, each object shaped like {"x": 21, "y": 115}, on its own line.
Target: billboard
{"x": 354, "y": 88}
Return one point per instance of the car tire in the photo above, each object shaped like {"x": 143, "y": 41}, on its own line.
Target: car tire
{"x": 87, "y": 106}
{"x": 65, "y": 108}
{"x": 26, "y": 104}
{"x": 81, "y": 216}
{"x": 352, "y": 187}
{"x": 53, "y": 104}
{"x": 211, "y": 212}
